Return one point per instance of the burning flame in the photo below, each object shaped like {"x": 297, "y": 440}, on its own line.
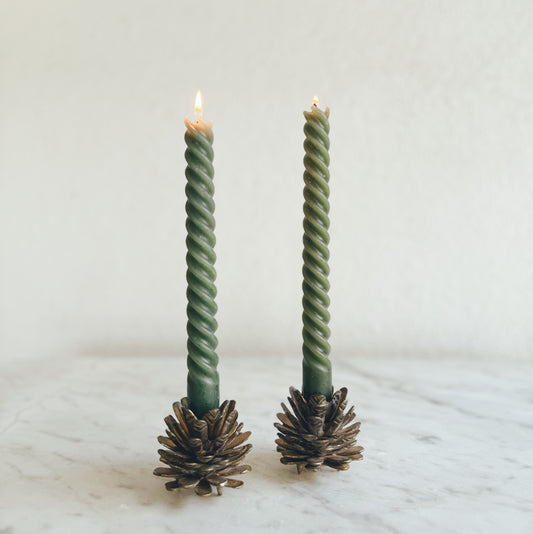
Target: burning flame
{"x": 198, "y": 105}
{"x": 315, "y": 100}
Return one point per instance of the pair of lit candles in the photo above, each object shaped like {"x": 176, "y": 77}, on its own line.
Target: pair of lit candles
{"x": 202, "y": 360}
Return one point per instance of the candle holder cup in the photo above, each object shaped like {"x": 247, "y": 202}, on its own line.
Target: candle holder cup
{"x": 318, "y": 432}
{"x": 203, "y": 452}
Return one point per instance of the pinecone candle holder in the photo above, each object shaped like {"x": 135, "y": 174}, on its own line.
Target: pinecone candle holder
{"x": 317, "y": 432}
{"x": 203, "y": 453}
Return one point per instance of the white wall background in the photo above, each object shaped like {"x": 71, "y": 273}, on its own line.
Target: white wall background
{"x": 432, "y": 172}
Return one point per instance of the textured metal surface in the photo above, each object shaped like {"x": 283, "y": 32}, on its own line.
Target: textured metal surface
{"x": 202, "y": 380}
{"x": 316, "y": 364}
{"x": 318, "y": 432}
{"x": 203, "y": 453}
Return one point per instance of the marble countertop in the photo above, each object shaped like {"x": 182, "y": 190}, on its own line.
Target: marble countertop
{"x": 448, "y": 448}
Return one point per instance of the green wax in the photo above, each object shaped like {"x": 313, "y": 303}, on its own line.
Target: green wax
{"x": 316, "y": 348}
{"x": 202, "y": 360}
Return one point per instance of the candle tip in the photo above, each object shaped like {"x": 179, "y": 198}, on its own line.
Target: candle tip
{"x": 315, "y": 100}
{"x": 198, "y": 105}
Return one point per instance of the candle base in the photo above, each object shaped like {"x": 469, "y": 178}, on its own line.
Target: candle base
{"x": 318, "y": 432}
{"x": 203, "y": 453}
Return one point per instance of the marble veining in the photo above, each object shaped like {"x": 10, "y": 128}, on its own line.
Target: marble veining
{"x": 448, "y": 448}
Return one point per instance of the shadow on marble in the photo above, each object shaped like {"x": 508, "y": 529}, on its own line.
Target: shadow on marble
{"x": 118, "y": 484}
{"x": 133, "y": 483}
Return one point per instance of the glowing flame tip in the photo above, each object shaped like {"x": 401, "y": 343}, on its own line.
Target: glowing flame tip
{"x": 315, "y": 100}
{"x": 198, "y": 104}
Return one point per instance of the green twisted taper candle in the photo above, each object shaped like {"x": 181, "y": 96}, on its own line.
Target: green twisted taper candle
{"x": 202, "y": 360}
{"x": 316, "y": 349}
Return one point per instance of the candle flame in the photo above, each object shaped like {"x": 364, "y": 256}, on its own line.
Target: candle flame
{"x": 198, "y": 105}
{"x": 315, "y": 100}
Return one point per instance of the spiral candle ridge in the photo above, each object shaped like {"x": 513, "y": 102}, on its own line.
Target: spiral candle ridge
{"x": 202, "y": 379}
{"x": 316, "y": 348}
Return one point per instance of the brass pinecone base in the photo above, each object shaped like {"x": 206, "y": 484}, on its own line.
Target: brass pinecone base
{"x": 318, "y": 432}
{"x": 203, "y": 452}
